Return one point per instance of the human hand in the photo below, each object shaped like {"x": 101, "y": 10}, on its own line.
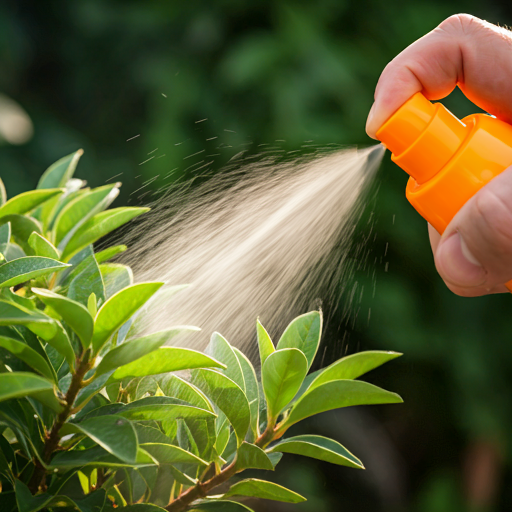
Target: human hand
{"x": 474, "y": 254}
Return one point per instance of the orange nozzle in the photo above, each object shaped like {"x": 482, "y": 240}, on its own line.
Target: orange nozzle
{"x": 422, "y": 137}
{"x": 448, "y": 160}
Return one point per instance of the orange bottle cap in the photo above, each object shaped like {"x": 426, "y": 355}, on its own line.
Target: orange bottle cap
{"x": 422, "y": 137}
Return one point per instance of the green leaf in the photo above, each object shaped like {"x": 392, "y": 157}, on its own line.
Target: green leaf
{"x": 92, "y": 304}
{"x": 303, "y": 333}
{"x": 169, "y": 454}
{"x": 148, "y": 434}
{"x": 87, "y": 280}
{"x": 113, "y": 433}
{"x": 14, "y": 314}
{"x": 5, "y": 233}
{"x": 227, "y": 396}
{"x": 250, "y": 456}
{"x": 265, "y": 344}
{"x": 22, "y": 227}
{"x": 60, "y": 172}
{"x": 23, "y": 269}
{"x": 133, "y": 350}
{"x": 42, "y": 247}
{"x": 23, "y": 384}
{"x": 109, "y": 253}
{"x": 255, "y": 488}
{"x": 97, "y": 457}
{"x": 73, "y": 313}
{"x": 164, "y": 360}
{"x": 3, "y": 193}
{"x": 251, "y": 390}
{"x": 337, "y": 394}
{"x": 282, "y": 375}
{"x": 220, "y": 349}
{"x": 116, "y": 277}
{"x": 351, "y": 367}
{"x": 162, "y": 412}
{"x": 98, "y": 226}
{"x": 174, "y": 386}
{"x": 118, "y": 309}
{"x": 143, "y": 507}
{"x": 219, "y": 506}
{"x": 81, "y": 209}
{"x": 27, "y": 355}
{"x": 28, "y": 201}
{"x": 60, "y": 342}
{"x": 318, "y": 447}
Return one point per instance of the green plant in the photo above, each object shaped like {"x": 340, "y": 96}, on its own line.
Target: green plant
{"x": 92, "y": 414}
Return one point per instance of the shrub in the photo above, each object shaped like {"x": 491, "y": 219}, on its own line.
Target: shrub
{"x": 94, "y": 416}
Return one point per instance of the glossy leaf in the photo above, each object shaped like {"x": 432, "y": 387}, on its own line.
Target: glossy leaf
{"x": 336, "y": 394}
{"x": 73, "y": 313}
{"x": 251, "y": 390}
{"x": 98, "y": 226}
{"x": 250, "y": 456}
{"x": 219, "y": 506}
{"x": 28, "y": 355}
{"x": 60, "y": 172}
{"x": 97, "y": 457}
{"x": 3, "y": 193}
{"x": 15, "y": 314}
{"x": 80, "y": 209}
{"x": 318, "y": 447}
{"x": 162, "y": 412}
{"x": 87, "y": 280}
{"x": 222, "y": 351}
{"x": 23, "y": 269}
{"x": 42, "y": 247}
{"x": 266, "y": 347}
{"x": 110, "y": 252}
{"x": 28, "y": 201}
{"x": 23, "y": 384}
{"x": 174, "y": 386}
{"x": 282, "y": 375}
{"x": 254, "y": 488}
{"x": 5, "y": 233}
{"x": 166, "y": 359}
{"x": 118, "y": 309}
{"x": 22, "y": 227}
{"x": 116, "y": 277}
{"x": 60, "y": 342}
{"x": 113, "y": 433}
{"x": 227, "y": 396}
{"x": 351, "y": 367}
{"x": 134, "y": 350}
{"x": 143, "y": 507}
{"x": 169, "y": 454}
{"x": 304, "y": 334}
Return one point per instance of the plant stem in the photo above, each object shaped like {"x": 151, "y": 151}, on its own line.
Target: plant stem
{"x": 201, "y": 489}
{"x": 37, "y": 482}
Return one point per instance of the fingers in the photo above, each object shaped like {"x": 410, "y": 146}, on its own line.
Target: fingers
{"x": 464, "y": 51}
{"x": 474, "y": 255}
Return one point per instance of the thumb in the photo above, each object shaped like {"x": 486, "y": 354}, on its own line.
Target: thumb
{"x": 474, "y": 255}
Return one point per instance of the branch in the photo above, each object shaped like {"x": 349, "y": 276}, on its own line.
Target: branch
{"x": 201, "y": 489}
{"x": 37, "y": 482}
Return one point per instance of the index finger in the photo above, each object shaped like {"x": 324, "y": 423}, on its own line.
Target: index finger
{"x": 463, "y": 51}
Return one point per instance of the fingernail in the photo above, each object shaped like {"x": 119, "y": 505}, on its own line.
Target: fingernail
{"x": 456, "y": 264}
{"x": 369, "y": 127}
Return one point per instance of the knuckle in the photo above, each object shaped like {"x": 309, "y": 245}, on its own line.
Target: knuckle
{"x": 460, "y": 24}
{"x": 496, "y": 214}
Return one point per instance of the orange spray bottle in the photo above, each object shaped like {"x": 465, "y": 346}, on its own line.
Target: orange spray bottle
{"x": 448, "y": 159}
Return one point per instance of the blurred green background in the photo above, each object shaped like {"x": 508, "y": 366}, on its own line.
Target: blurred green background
{"x": 209, "y": 78}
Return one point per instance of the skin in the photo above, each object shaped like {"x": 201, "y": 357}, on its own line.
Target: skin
{"x": 474, "y": 254}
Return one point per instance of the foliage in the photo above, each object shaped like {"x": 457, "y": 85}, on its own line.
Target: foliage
{"x": 92, "y": 418}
